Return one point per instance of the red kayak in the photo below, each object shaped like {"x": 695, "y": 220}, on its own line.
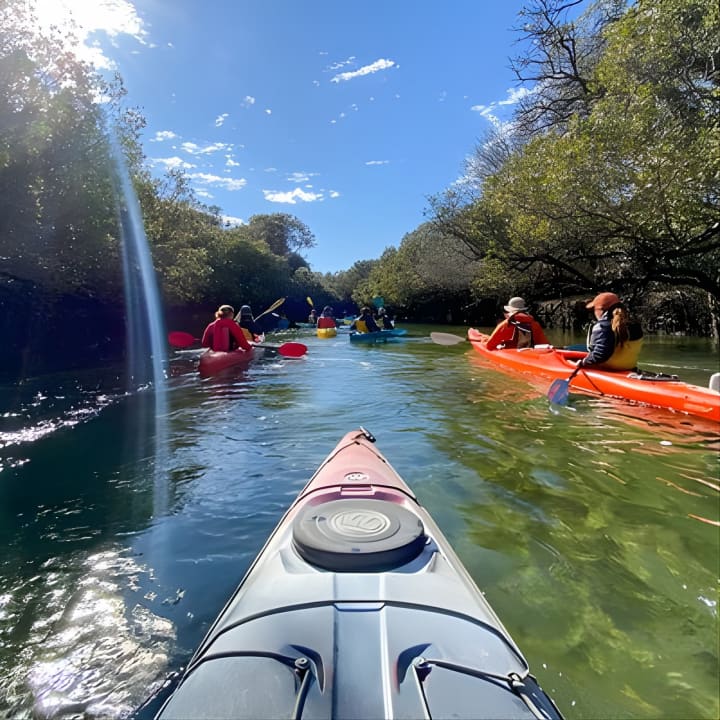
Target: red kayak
{"x": 647, "y": 388}
{"x": 213, "y": 362}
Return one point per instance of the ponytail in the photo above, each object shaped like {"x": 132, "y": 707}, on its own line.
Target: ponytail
{"x": 620, "y": 325}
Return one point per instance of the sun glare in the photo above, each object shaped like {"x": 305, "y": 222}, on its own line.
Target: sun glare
{"x": 85, "y": 19}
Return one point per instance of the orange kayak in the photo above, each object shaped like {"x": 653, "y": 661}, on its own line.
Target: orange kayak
{"x": 554, "y": 363}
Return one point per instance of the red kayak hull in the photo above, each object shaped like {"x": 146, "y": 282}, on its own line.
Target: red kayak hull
{"x": 554, "y": 363}
{"x": 212, "y": 362}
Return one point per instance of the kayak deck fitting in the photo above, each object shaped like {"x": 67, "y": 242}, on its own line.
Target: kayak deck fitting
{"x": 651, "y": 389}
{"x": 356, "y": 607}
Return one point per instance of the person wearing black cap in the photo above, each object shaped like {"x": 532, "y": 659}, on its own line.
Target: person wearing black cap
{"x": 519, "y": 329}
{"x": 223, "y": 334}
{"x": 251, "y": 328}
{"x": 614, "y": 341}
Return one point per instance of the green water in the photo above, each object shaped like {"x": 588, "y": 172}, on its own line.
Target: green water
{"x": 589, "y": 530}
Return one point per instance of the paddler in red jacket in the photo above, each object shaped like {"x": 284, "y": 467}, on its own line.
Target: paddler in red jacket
{"x": 224, "y": 334}
{"x": 518, "y": 329}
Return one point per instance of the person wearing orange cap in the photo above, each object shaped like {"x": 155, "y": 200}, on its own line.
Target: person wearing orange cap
{"x": 614, "y": 341}
{"x": 224, "y": 334}
{"x": 519, "y": 329}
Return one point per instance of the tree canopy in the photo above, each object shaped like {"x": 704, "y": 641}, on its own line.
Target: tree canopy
{"x": 613, "y": 180}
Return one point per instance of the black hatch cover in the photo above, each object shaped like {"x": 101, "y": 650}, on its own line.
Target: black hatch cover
{"x": 358, "y": 535}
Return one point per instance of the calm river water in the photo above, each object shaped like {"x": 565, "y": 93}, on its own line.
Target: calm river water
{"x": 590, "y": 531}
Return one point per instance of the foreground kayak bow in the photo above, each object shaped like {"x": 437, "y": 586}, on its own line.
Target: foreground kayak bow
{"x": 357, "y": 607}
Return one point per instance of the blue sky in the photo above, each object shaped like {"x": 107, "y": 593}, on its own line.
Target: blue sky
{"x": 346, "y": 115}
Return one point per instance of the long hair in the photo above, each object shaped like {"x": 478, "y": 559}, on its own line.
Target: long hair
{"x": 620, "y": 325}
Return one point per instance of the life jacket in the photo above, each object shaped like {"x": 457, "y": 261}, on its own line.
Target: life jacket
{"x": 361, "y": 326}
{"x": 522, "y": 331}
{"x": 624, "y": 357}
{"x": 224, "y": 340}
{"x": 325, "y": 322}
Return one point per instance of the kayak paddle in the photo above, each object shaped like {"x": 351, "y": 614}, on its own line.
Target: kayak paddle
{"x": 181, "y": 339}
{"x": 560, "y": 389}
{"x": 446, "y": 338}
{"x": 274, "y": 306}
{"x": 288, "y": 349}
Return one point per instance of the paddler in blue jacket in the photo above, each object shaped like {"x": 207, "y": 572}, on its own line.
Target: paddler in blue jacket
{"x": 614, "y": 341}
{"x": 223, "y": 334}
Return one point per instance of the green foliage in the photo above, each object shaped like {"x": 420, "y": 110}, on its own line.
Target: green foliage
{"x": 58, "y": 218}
{"x": 425, "y": 275}
{"x": 283, "y": 234}
{"x": 615, "y": 183}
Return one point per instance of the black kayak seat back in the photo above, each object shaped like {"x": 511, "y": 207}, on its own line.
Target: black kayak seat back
{"x": 358, "y": 535}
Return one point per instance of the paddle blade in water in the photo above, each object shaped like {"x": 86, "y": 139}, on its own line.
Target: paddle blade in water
{"x": 558, "y": 392}
{"x": 446, "y": 338}
{"x": 181, "y": 339}
{"x": 292, "y": 349}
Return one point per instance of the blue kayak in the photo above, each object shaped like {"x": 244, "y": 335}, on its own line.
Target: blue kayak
{"x": 357, "y": 608}
{"x": 381, "y": 336}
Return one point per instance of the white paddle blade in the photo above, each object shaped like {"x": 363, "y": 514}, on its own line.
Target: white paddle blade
{"x": 440, "y": 338}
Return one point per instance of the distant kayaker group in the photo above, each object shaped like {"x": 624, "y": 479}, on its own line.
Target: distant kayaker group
{"x": 365, "y": 322}
{"x": 228, "y": 332}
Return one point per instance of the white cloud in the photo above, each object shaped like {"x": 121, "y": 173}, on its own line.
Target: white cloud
{"x": 336, "y": 66}
{"x": 229, "y": 162}
{"x": 378, "y": 65}
{"x": 220, "y": 119}
{"x": 163, "y": 135}
{"x": 231, "y": 184}
{"x": 300, "y": 177}
{"x": 515, "y": 95}
{"x": 173, "y": 163}
{"x": 232, "y": 221}
{"x": 484, "y": 110}
{"x": 248, "y": 100}
{"x": 268, "y": 111}
{"x": 377, "y": 162}
{"x": 334, "y": 194}
{"x": 194, "y": 149}
{"x": 113, "y": 17}
{"x": 292, "y": 196}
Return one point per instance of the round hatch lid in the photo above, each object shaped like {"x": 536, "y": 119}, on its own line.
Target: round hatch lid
{"x": 358, "y": 535}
